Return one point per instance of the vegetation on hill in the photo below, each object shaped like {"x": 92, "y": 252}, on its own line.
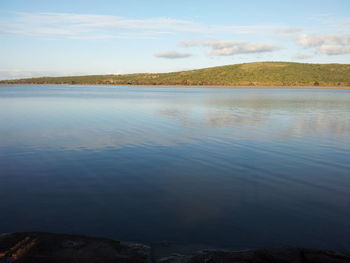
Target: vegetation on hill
{"x": 258, "y": 73}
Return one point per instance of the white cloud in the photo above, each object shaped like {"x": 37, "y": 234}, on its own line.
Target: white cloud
{"x": 289, "y": 30}
{"x": 6, "y": 74}
{"x": 326, "y": 44}
{"x": 18, "y": 73}
{"x": 303, "y": 56}
{"x": 172, "y": 55}
{"x": 85, "y": 26}
{"x": 230, "y": 47}
{"x": 89, "y": 26}
{"x": 332, "y": 22}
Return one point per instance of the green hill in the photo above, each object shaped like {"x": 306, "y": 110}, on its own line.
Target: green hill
{"x": 258, "y": 73}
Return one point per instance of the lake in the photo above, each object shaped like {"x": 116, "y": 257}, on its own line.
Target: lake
{"x": 237, "y": 168}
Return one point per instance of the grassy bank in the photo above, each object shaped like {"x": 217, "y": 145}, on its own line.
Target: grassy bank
{"x": 248, "y": 74}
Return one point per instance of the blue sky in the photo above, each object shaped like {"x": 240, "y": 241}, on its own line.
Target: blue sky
{"x": 54, "y": 38}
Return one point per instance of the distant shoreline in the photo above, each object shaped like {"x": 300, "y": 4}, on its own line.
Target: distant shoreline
{"x": 246, "y": 75}
{"x": 186, "y": 86}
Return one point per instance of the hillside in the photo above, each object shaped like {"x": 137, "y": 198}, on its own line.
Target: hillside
{"x": 258, "y": 73}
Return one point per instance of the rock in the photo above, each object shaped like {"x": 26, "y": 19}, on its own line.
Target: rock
{"x": 58, "y": 248}
{"x": 273, "y": 255}
{"x": 174, "y": 258}
{"x": 47, "y": 248}
{"x": 325, "y": 256}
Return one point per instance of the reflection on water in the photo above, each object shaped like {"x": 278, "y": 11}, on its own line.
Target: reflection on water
{"x": 223, "y": 167}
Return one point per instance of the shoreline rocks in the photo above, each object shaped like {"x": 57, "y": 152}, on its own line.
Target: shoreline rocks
{"x": 271, "y": 255}
{"x": 37, "y": 247}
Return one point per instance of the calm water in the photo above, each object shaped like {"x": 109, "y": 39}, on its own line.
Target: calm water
{"x": 221, "y": 167}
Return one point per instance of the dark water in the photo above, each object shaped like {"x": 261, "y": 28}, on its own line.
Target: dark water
{"x": 221, "y": 167}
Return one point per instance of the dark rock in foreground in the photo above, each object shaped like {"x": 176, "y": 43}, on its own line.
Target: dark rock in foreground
{"x": 52, "y": 248}
{"x": 274, "y": 255}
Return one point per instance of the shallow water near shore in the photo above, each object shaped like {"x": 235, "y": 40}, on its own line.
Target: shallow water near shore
{"x": 238, "y": 168}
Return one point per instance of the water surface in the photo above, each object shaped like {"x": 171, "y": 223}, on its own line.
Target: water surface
{"x": 221, "y": 167}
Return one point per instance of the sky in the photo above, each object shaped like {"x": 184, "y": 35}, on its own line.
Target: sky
{"x": 83, "y": 37}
